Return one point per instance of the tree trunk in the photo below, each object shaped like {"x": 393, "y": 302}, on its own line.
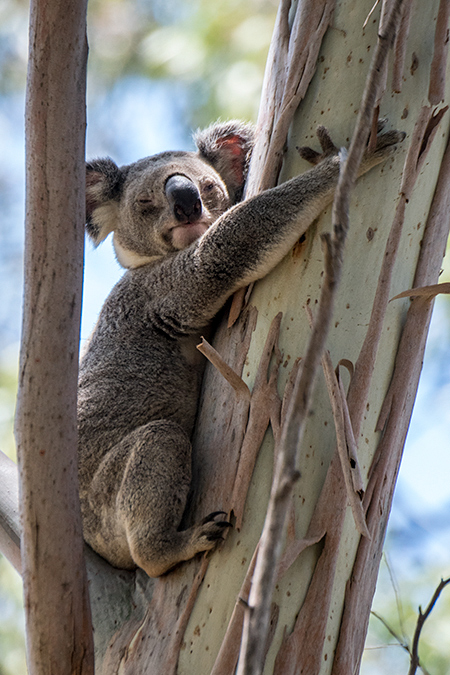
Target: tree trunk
{"x": 58, "y": 624}
{"x": 191, "y": 619}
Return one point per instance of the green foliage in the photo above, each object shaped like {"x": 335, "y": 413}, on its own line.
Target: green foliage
{"x": 218, "y": 50}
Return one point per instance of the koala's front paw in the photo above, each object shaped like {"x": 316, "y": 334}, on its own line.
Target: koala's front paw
{"x": 327, "y": 145}
{"x": 385, "y": 146}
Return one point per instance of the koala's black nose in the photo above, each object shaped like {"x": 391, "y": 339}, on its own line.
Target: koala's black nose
{"x": 184, "y": 198}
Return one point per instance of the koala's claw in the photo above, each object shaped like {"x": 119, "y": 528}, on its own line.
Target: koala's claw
{"x": 216, "y": 535}
{"x": 327, "y": 145}
{"x": 389, "y": 138}
{"x": 212, "y": 516}
{"x": 212, "y": 530}
{"x": 382, "y": 121}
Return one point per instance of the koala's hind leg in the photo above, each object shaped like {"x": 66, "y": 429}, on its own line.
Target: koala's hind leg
{"x": 152, "y": 498}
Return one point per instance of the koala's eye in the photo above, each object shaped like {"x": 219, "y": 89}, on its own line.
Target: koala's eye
{"x": 209, "y": 187}
{"x": 145, "y": 201}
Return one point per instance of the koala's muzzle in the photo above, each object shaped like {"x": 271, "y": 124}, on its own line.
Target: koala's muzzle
{"x": 184, "y": 199}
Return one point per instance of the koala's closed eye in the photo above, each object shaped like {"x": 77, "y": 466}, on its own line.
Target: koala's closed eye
{"x": 212, "y": 193}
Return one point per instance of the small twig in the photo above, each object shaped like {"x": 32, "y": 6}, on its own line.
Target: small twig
{"x": 398, "y": 600}
{"x": 429, "y": 292}
{"x": 423, "y": 616}
{"x": 401, "y": 642}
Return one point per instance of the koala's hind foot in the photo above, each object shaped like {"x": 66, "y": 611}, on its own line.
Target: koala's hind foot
{"x": 157, "y": 551}
{"x": 139, "y": 493}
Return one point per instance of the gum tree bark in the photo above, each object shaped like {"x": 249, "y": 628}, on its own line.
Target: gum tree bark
{"x": 58, "y": 623}
{"x": 191, "y": 620}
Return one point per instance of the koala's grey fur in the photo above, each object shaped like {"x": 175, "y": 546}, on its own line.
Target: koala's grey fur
{"x": 188, "y": 247}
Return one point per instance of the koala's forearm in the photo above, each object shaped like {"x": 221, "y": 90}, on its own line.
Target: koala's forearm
{"x": 255, "y": 235}
{"x": 244, "y": 244}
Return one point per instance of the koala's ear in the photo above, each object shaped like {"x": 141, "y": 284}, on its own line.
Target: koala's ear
{"x": 228, "y": 147}
{"x": 104, "y": 182}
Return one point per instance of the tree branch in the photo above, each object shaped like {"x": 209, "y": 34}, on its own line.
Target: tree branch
{"x": 423, "y": 616}
{"x": 9, "y": 512}
{"x": 58, "y": 620}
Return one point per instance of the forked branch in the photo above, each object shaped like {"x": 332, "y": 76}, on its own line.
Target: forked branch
{"x": 423, "y": 616}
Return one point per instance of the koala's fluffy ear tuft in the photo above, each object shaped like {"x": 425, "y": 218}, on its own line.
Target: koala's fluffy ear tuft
{"x": 104, "y": 181}
{"x": 228, "y": 147}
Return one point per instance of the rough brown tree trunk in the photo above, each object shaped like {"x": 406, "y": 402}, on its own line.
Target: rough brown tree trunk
{"x": 59, "y": 632}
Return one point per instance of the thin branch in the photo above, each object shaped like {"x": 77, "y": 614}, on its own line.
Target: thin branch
{"x": 436, "y": 90}
{"x": 401, "y": 642}
{"x": 423, "y": 616}
{"x": 398, "y": 600}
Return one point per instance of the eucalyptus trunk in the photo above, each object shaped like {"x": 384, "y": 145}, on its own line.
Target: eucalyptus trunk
{"x": 58, "y": 620}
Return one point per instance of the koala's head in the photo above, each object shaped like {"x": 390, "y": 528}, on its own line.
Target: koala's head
{"x": 165, "y": 202}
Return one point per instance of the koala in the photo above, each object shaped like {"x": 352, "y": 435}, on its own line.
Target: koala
{"x": 188, "y": 243}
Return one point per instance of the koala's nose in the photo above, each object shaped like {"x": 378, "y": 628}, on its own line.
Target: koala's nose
{"x": 184, "y": 199}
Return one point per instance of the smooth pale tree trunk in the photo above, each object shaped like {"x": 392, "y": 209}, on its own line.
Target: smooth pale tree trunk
{"x": 190, "y": 621}
{"x": 336, "y": 567}
{"x": 58, "y": 622}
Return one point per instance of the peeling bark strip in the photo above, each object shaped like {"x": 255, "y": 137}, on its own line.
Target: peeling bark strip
{"x": 264, "y": 398}
{"x": 59, "y": 631}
